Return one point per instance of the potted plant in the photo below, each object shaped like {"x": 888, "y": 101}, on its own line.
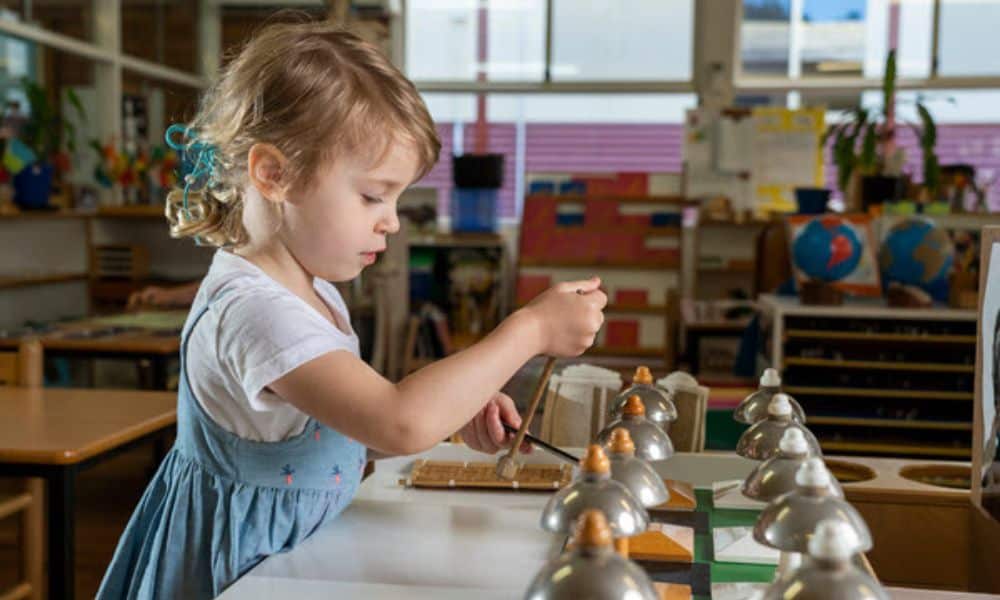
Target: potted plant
{"x": 869, "y": 165}
{"x": 38, "y": 144}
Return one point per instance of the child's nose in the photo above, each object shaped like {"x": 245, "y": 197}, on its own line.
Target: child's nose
{"x": 389, "y": 224}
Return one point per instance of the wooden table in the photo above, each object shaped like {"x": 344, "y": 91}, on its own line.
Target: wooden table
{"x": 147, "y": 336}
{"x": 55, "y": 433}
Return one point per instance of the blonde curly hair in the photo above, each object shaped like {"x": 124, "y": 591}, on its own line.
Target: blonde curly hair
{"x": 310, "y": 89}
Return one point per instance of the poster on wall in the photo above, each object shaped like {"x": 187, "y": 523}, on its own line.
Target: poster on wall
{"x": 990, "y": 386}
{"x": 836, "y": 249}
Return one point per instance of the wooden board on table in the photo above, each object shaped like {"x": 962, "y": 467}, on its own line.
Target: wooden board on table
{"x": 445, "y": 474}
{"x": 672, "y": 591}
{"x": 663, "y": 542}
{"x": 681, "y": 496}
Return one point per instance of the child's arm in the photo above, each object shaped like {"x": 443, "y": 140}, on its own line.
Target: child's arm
{"x": 405, "y": 418}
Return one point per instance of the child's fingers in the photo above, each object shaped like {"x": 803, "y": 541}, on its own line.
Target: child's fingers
{"x": 508, "y": 412}
{"x": 493, "y": 425}
{"x": 485, "y": 445}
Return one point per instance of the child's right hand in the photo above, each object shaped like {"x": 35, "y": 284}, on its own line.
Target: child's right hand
{"x": 567, "y": 316}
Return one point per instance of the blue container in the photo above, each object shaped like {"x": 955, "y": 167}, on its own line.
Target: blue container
{"x": 474, "y": 209}
{"x": 812, "y": 201}
{"x": 33, "y": 186}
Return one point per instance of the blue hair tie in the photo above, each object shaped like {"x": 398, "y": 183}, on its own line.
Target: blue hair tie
{"x": 203, "y": 171}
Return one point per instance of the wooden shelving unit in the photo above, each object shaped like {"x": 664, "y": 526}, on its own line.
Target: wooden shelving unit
{"x": 10, "y": 282}
{"x": 864, "y": 402}
{"x": 634, "y": 243}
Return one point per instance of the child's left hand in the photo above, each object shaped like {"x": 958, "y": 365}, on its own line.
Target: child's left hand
{"x": 485, "y": 431}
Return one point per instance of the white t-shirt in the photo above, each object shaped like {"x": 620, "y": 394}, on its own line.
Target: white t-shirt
{"x": 254, "y": 332}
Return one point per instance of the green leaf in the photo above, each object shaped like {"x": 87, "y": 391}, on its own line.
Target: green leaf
{"x": 868, "y": 146}
{"x": 889, "y": 81}
{"x": 928, "y": 135}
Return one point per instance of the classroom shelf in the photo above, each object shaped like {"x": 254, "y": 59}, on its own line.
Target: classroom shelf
{"x": 891, "y": 423}
{"x": 732, "y": 267}
{"x": 42, "y": 215}
{"x": 838, "y": 390}
{"x": 815, "y": 334}
{"x": 588, "y": 264}
{"x": 874, "y": 364}
{"x": 625, "y": 351}
{"x": 132, "y": 212}
{"x": 456, "y": 240}
{"x": 895, "y": 449}
{"x": 9, "y": 282}
{"x": 623, "y": 199}
{"x": 877, "y": 393}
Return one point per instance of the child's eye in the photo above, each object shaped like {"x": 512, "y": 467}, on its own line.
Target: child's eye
{"x": 371, "y": 199}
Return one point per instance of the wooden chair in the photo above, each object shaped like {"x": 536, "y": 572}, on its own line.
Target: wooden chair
{"x": 24, "y": 368}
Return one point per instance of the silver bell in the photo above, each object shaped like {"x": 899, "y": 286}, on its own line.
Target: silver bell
{"x": 828, "y": 573}
{"x": 634, "y": 473}
{"x": 753, "y": 408}
{"x": 594, "y": 488}
{"x": 659, "y": 407}
{"x": 591, "y": 569}
{"x": 776, "y": 475}
{"x": 788, "y": 522}
{"x": 651, "y": 441}
{"x": 761, "y": 440}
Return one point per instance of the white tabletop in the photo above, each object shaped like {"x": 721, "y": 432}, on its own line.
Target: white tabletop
{"x": 394, "y": 542}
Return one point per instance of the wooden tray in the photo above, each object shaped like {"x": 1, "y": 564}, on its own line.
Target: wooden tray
{"x": 663, "y": 542}
{"x": 681, "y": 496}
{"x": 672, "y": 591}
{"x": 442, "y": 474}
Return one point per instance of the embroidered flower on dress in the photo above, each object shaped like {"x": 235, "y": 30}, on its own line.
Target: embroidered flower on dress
{"x": 335, "y": 474}
{"x": 287, "y": 471}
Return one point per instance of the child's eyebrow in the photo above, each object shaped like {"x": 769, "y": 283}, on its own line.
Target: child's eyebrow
{"x": 388, "y": 183}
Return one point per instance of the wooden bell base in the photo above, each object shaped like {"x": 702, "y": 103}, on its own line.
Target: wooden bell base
{"x": 820, "y": 293}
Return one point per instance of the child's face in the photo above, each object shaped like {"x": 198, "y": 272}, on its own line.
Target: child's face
{"x": 338, "y": 228}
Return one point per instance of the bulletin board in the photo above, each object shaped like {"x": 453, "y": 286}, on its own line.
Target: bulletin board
{"x": 755, "y": 158}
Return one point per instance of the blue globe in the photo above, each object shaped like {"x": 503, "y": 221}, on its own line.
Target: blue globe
{"x": 827, "y": 249}
{"x": 916, "y": 252}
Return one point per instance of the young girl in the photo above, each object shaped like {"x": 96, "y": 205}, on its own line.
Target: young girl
{"x": 299, "y": 155}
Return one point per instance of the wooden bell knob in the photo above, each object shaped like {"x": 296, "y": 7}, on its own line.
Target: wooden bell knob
{"x": 596, "y": 461}
{"x": 642, "y": 375}
{"x": 634, "y": 407}
{"x": 592, "y": 530}
{"x": 621, "y": 442}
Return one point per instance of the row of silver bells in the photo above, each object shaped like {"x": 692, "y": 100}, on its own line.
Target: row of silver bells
{"x": 821, "y": 537}
{"x": 607, "y": 502}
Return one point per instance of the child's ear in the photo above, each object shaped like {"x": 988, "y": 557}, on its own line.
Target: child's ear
{"x": 266, "y": 167}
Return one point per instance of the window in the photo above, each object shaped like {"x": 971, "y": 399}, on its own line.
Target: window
{"x": 969, "y": 44}
{"x": 443, "y": 37}
{"x": 640, "y": 40}
{"x": 835, "y": 38}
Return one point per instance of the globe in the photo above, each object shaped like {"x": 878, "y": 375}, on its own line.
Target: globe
{"x": 827, "y": 249}
{"x": 919, "y": 253}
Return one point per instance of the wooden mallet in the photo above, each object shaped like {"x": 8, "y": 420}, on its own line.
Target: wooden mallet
{"x": 508, "y": 466}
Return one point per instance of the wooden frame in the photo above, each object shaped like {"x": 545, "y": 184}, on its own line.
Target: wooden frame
{"x": 985, "y": 528}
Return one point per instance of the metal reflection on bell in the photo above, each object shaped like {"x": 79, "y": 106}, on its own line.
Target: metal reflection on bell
{"x": 760, "y": 441}
{"x": 753, "y": 408}
{"x": 634, "y": 473}
{"x": 651, "y": 441}
{"x": 776, "y": 475}
{"x": 594, "y": 488}
{"x": 659, "y": 407}
{"x": 829, "y": 573}
{"x": 591, "y": 569}
{"x": 788, "y": 522}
